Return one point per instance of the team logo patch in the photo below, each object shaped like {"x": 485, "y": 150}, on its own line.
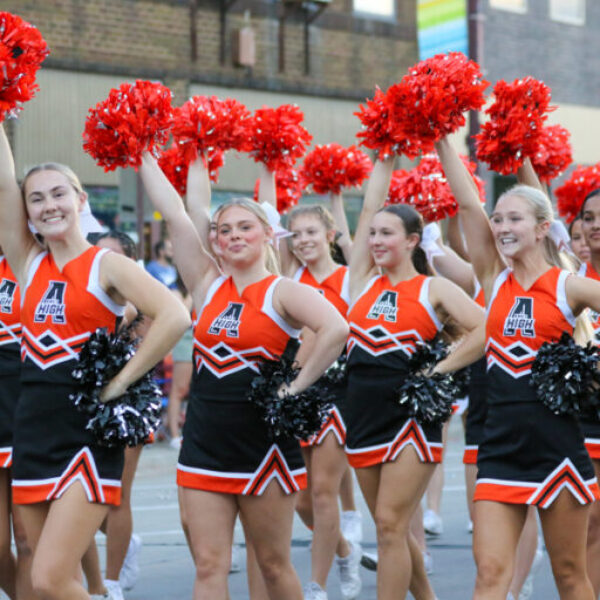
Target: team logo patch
{"x": 7, "y": 293}
{"x": 52, "y": 304}
{"x": 520, "y": 318}
{"x": 386, "y": 305}
{"x": 229, "y": 320}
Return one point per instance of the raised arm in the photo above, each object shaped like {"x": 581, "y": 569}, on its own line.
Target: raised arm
{"x": 526, "y": 174}
{"x": 126, "y": 281}
{"x": 18, "y": 244}
{"x": 341, "y": 223}
{"x": 198, "y": 269}
{"x": 449, "y": 265}
{"x": 197, "y": 198}
{"x": 361, "y": 262}
{"x": 455, "y": 238}
{"x": 485, "y": 257}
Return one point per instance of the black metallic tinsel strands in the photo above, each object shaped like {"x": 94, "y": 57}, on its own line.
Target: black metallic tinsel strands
{"x": 429, "y": 397}
{"x": 127, "y": 420}
{"x": 563, "y": 375}
{"x": 299, "y": 415}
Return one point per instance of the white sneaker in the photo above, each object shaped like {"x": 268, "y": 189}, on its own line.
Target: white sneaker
{"x": 131, "y": 569}
{"x": 313, "y": 591}
{"x": 100, "y": 596}
{"x": 432, "y": 523}
{"x": 350, "y": 582}
{"x": 235, "y": 559}
{"x": 175, "y": 442}
{"x": 351, "y": 526}
{"x": 428, "y": 561}
{"x": 470, "y": 526}
{"x": 114, "y": 589}
{"x": 369, "y": 560}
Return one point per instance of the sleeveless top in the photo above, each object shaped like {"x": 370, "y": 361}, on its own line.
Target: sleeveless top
{"x": 335, "y": 288}
{"x": 386, "y": 322}
{"x": 518, "y": 323}
{"x": 587, "y": 270}
{"x": 10, "y": 321}
{"x": 233, "y": 333}
{"x": 59, "y": 312}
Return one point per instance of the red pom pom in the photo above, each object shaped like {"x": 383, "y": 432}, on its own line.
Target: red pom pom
{"x": 175, "y": 166}
{"x": 329, "y": 168}
{"x": 378, "y": 130}
{"x": 554, "y": 153}
{"x": 22, "y": 51}
{"x": 277, "y": 137}
{"x": 133, "y": 119}
{"x": 516, "y": 120}
{"x": 206, "y": 124}
{"x": 426, "y": 189}
{"x": 571, "y": 194}
{"x": 431, "y": 99}
{"x": 289, "y": 188}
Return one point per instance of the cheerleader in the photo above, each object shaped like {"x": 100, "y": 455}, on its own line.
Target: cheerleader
{"x": 228, "y": 464}
{"x": 62, "y": 479}
{"x": 529, "y": 455}
{"x": 579, "y": 246}
{"x": 590, "y": 228}
{"x": 394, "y": 306}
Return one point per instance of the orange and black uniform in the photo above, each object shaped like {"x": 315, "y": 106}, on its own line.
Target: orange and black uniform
{"x": 591, "y": 427}
{"x": 335, "y": 289}
{"x": 226, "y": 446}
{"x": 60, "y": 310}
{"x": 386, "y": 323}
{"x": 528, "y": 454}
{"x": 10, "y": 358}
{"x": 477, "y": 410}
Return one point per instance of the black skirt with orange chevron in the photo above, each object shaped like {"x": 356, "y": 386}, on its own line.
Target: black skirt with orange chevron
{"x": 226, "y": 449}
{"x": 529, "y": 455}
{"x": 378, "y": 428}
{"x": 591, "y": 431}
{"x": 53, "y": 450}
{"x": 476, "y": 412}
{"x": 9, "y": 395}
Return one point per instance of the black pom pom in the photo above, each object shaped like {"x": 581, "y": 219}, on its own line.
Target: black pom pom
{"x": 428, "y": 397}
{"x": 337, "y": 374}
{"x": 129, "y": 419}
{"x": 563, "y": 373}
{"x": 300, "y": 415}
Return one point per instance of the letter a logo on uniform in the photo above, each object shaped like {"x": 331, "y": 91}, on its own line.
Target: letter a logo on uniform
{"x": 520, "y": 318}
{"x": 229, "y": 320}
{"x": 385, "y": 305}
{"x": 52, "y": 304}
{"x": 7, "y": 293}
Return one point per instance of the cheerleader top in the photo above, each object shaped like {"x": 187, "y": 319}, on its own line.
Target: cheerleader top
{"x": 479, "y": 296}
{"x": 587, "y": 270}
{"x": 518, "y": 323}
{"x": 388, "y": 321}
{"x": 10, "y": 321}
{"x": 335, "y": 288}
{"x": 233, "y": 334}
{"x": 60, "y": 309}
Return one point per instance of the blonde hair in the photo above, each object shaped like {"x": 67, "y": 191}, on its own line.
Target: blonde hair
{"x": 316, "y": 210}
{"x": 271, "y": 260}
{"x": 52, "y": 166}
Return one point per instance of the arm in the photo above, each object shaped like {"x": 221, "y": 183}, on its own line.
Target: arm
{"x": 455, "y": 238}
{"x": 450, "y": 299}
{"x": 198, "y": 269}
{"x": 18, "y": 244}
{"x": 198, "y": 198}
{"x": 485, "y": 257}
{"x": 526, "y": 175}
{"x": 303, "y": 306}
{"x": 341, "y": 222}
{"x": 454, "y": 268}
{"x": 125, "y": 281}
{"x": 361, "y": 263}
{"x": 582, "y": 293}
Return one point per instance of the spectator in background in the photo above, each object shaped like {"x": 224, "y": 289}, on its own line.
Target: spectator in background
{"x": 161, "y": 267}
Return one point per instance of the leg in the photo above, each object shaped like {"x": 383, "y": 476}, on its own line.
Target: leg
{"x": 401, "y": 487}
{"x": 268, "y": 521}
{"x": 526, "y": 550}
{"x": 180, "y": 386}
{"x": 24, "y": 556}
{"x": 256, "y": 583}
{"x": 70, "y": 525}
{"x": 304, "y": 506}
{"x": 119, "y": 523}
{"x": 593, "y": 543}
{"x": 347, "y": 491}
{"x": 209, "y": 518}
{"x": 496, "y": 534}
{"x": 470, "y": 482}
{"x": 420, "y": 586}
{"x": 565, "y": 526}
{"x": 8, "y": 565}
{"x": 90, "y": 563}
{"x": 432, "y": 520}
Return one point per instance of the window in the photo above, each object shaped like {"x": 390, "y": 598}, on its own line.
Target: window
{"x": 519, "y": 6}
{"x": 376, "y": 8}
{"x": 568, "y": 11}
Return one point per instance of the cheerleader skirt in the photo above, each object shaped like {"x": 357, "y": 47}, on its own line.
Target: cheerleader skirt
{"x": 476, "y": 412}
{"x": 9, "y": 395}
{"x": 591, "y": 432}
